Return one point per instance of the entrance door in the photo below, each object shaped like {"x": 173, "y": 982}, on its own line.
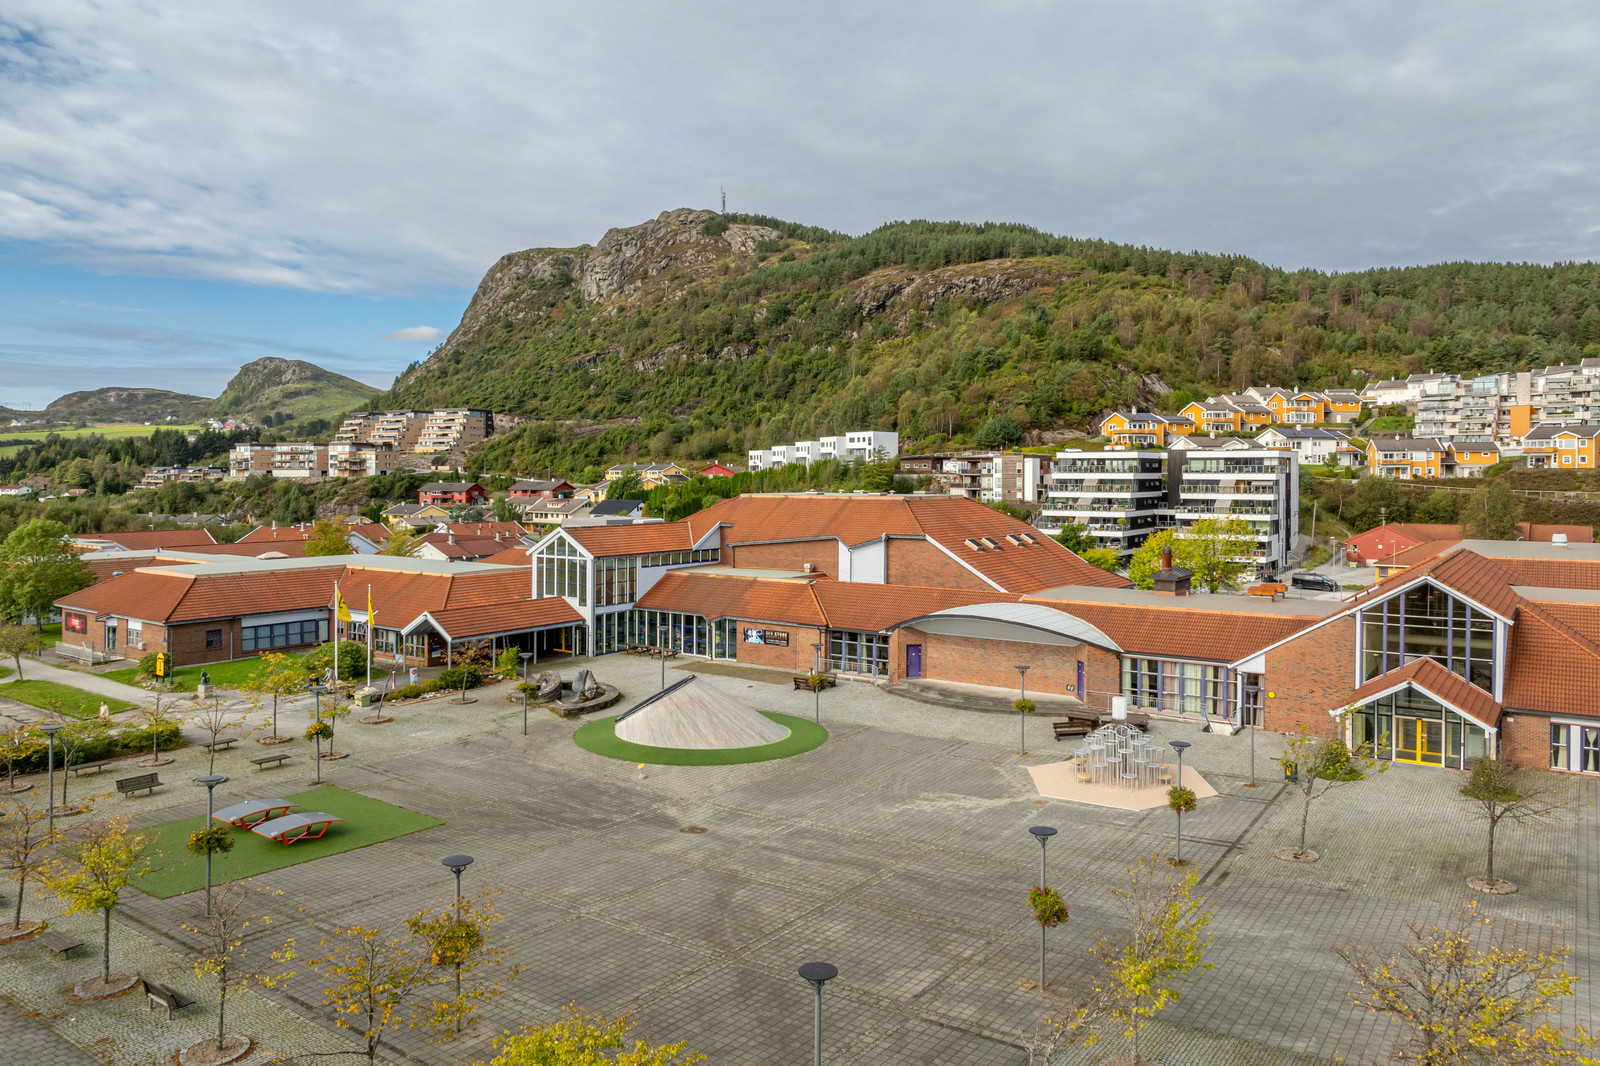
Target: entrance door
{"x": 913, "y": 660}
{"x": 111, "y": 636}
{"x": 1419, "y": 740}
{"x": 1079, "y": 689}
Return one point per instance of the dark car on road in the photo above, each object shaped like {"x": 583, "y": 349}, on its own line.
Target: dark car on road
{"x": 1307, "y": 579}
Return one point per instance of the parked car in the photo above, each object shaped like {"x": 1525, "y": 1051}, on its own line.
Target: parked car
{"x": 1307, "y": 579}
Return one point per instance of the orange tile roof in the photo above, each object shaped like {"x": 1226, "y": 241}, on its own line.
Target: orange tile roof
{"x": 1554, "y": 659}
{"x": 290, "y": 548}
{"x": 143, "y": 540}
{"x": 465, "y": 623}
{"x": 1418, "y": 553}
{"x": 633, "y": 540}
{"x": 509, "y": 557}
{"x": 1183, "y": 632}
{"x": 376, "y": 532}
{"x": 277, "y": 533}
{"x": 1554, "y": 573}
{"x": 1466, "y": 572}
{"x": 166, "y": 596}
{"x": 507, "y": 530}
{"x": 461, "y": 547}
{"x": 879, "y": 607}
{"x": 721, "y": 596}
{"x": 1438, "y": 682}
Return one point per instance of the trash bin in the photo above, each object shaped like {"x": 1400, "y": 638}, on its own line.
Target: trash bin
{"x": 364, "y": 698}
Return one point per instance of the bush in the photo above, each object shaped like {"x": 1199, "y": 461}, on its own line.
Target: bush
{"x": 106, "y": 744}
{"x": 408, "y": 692}
{"x": 432, "y": 685}
{"x": 453, "y": 678}
{"x": 147, "y": 665}
{"x": 352, "y": 660}
{"x": 509, "y": 662}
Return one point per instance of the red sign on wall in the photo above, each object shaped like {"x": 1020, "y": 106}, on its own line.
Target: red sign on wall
{"x": 74, "y": 623}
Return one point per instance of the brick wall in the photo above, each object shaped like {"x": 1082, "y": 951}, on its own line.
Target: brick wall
{"x": 1052, "y": 669}
{"x": 796, "y": 657}
{"x": 916, "y": 562}
{"x": 1525, "y": 740}
{"x": 1309, "y": 676}
{"x": 823, "y": 554}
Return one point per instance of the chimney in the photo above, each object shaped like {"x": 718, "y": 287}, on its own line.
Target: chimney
{"x": 810, "y": 568}
{"x": 1166, "y": 558}
{"x": 450, "y": 537}
{"x": 1171, "y": 580}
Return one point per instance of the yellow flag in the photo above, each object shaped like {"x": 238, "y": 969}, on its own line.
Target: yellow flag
{"x": 369, "y": 608}
{"x": 344, "y": 612}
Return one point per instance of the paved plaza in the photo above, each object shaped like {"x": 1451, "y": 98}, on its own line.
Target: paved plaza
{"x": 898, "y": 851}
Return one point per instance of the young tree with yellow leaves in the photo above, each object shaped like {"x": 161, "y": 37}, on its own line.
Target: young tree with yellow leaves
{"x": 223, "y": 955}
{"x": 457, "y": 936}
{"x": 24, "y": 836}
{"x": 278, "y": 676}
{"x": 1468, "y": 993}
{"x": 377, "y": 982}
{"x": 17, "y": 741}
{"x": 580, "y": 1039}
{"x": 101, "y": 860}
{"x": 1311, "y": 761}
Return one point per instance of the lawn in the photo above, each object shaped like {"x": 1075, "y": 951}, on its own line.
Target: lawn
{"x": 71, "y": 702}
{"x": 52, "y": 634}
{"x": 600, "y": 738}
{"x": 366, "y": 821}
{"x": 235, "y": 674}
{"x": 109, "y": 430}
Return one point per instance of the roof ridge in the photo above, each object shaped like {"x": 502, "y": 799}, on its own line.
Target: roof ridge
{"x": 1560, "y": 627}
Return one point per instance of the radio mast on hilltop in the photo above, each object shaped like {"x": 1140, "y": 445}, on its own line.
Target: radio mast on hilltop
{"x": 724, "y": 201}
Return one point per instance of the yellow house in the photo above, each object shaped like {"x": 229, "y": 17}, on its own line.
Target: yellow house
{"x": 1562, "y": 447}
{"x": 1296, "y": 408}
{"x": 1341, "y": 405}
{"x": 415, "y": 515}
{"x": 1471, "y": 459}
{"x": 1144, "y": 429}
{"x": 1226, "y": 414}
{"x": 1408, "y": 458}
{"x": 649, "y": 473}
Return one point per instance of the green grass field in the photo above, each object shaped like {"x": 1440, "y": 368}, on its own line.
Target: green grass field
{"x": 52, "y": 634}
{"x": 104, "y": 429}
{"x": 173, "y": 871}
{"x": 50, "y": 696}
{"x": 600, "y": 738}
{"x": 235, "y": 674}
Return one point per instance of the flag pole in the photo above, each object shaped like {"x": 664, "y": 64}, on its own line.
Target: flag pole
{"x": 338, "y": 609}
{"x": 369, "y": 635}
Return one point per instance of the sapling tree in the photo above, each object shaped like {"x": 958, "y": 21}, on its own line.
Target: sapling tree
{"x": 278, "y": 676}
{"x": 378, "y": 983}
{"x": 17, "y": 641}
{"x": 581, "y": 1039}
{"x": 24, "y": 836}
{"x": 1500, "y": 793}
{"x": 216, "y": 719}
{"x": 1321, "y": 764}
{"x": 223, "y": 955}
{"x": 18, "y": 741}
{"x": 458, "y": 936}
{"x": 72, "y": 740}
{"x": 1468, "y": 992}
{"x": 100, "y": 861}
{"x": 155, "y": 718}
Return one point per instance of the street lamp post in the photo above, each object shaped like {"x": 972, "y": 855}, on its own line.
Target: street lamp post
{"x": 1042, "y": 833}
{"x": 1179, "y": 746}
{"x": 455, "y": 864}
{"x": 1022, "y": 717}
{"x": 316, "y": 692}
{"x": 526, "y": 655}
{"x": 50, "y": 730}
{"x": 210, "y": 781}
{"x": 1252, "y": 728}
{"x": 816, "y": 689}
{"x": 819, "y": 974}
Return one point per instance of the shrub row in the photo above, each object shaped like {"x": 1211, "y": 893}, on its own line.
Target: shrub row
{"x": 102, "y": 743}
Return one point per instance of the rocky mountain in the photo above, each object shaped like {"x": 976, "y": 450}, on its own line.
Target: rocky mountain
{"x": 697, "y": 335}
{"x": 127, "y": 405}
{"x": 302, "y": 390}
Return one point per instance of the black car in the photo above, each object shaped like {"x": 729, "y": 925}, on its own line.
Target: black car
{"x": 1306, "y": 579}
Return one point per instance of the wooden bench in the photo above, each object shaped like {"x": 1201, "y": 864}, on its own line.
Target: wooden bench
{"x": 92, "y": 767}
{"x": 275, "y": 760}
{"x": 217, "y": 743}
{"x": 138, "y": 783}
{"x": 169, "y": 998}
{"x": 1268, "y": 590}
{"x": 803, "y": 681}
{"x": 60, "y": 943}
{"x": 1072, "y": 727}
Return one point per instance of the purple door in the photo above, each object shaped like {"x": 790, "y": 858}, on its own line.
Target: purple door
{"x": 1079, "y": 689}
{"x": 913, "y": 660}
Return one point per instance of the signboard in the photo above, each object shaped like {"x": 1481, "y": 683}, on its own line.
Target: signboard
{"x": 75, "y": 623}
{"x": 766, "y": 636}
{"x": 163, "y": 664}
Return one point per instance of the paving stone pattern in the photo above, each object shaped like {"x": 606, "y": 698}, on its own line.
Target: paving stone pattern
{"x": 898, "y": 851}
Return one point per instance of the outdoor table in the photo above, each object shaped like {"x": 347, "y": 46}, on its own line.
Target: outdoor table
{"x": 290, "y": 828}
{"x": 246, "y": 814}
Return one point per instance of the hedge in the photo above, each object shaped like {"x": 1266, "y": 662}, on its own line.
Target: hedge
{"x": 102, "y": 744}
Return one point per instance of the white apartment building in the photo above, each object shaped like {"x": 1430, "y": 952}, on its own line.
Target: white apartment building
{"x": 1315, "y": 446}
{"x": 866, "y": 445}
{"x": 360, "y": 459}
{"x": 1119, "y": 494}
{"x": 450, "y": 428}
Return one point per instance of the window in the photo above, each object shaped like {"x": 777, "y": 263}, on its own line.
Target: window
{"x": 560, "y": 569}
{"x": 1172, "y": 685}
{"x": 1425, "y": 621}
{"x": 213, "y": 638}
{"x": 854, "y": 652}
{"x": 282, "y": 634}
{"x": 1575, "y": 747}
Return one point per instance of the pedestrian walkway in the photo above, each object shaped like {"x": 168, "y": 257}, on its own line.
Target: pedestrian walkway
{"x": 34, "y": 670}
{"x": 28, "y": 1041}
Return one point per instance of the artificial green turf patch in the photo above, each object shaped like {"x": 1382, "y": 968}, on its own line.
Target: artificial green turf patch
{"x": 366, "y": 821}
{"x": 600, "y": 737}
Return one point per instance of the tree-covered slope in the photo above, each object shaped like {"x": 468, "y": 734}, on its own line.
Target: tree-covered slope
{"x": 290, "y": 388}
{"x": 698, "y": 335}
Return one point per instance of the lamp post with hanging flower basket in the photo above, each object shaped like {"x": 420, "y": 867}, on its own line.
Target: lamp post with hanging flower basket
{"x": 1181, "y": 801}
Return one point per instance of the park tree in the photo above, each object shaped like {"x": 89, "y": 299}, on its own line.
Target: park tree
{"x": 503, "y": 510}
{"x": 156, "y": 718}
{"x": 1439, "y": 507}
{"x": 403, "y": 543}
{"x": 221, "y": 954}
{"x": 377, "y": 984}
{"x": 1315, "y": 766}
{"x": 1374, "y": 500}
{"x": 17, "y": 641}
{"x": 1492, "y": 512}
{"x": 1076, "y": 538}
{"x": 18, "y": 741}
{"x": 216, "y": 718}
{"x": 97, "y": 865}
{"x": 24, "y": 836}
{"x": 72, "y": 739}
{"x": 457, "y": 936}
{"x": 38, "y": 566}
{"x": 1466, "y": 992}
{"x": 1145, "y": 562}
{"x": 328, "y": 538}
{"x": 1107, "y": 559}
{"x": 1500, "y": 793}
{"x": 581, "y": 1039}
{"x": 1162, "y": 941}
{"x": 1214, "y": 550}
{"x": 277, "y": 676}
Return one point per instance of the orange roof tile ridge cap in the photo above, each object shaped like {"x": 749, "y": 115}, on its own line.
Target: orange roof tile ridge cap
{"x": 1560, "y": 627}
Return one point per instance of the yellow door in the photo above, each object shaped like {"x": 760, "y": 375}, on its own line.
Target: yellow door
{"x": 1419, "y": 740}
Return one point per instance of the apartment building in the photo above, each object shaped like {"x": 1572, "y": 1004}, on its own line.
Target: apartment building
{"x": 1144, "y": 429}
{"x": 650, "y": 473}
{"x": 360, "y": 459}
{"x": 1119, "y": 494}
{"x": 863, "y": 444}
{"x": 1502, "y": 408}
{"x": 448, "y": 429}
{"x": 162, "y": 475}
{"x": 357, "y": 427}
{"x": 245, "y": 460}
{"x": 1228, "y": 414}
{"x": 1315, "y": 445}
{"x": 1563, "y": 447}
{"x": 299, "y": 460}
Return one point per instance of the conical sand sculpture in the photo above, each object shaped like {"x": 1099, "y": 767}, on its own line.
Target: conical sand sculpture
{"x": 695, "y": 714}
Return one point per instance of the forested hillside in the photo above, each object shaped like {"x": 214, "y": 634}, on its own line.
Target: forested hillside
{"x": 698, "y": 335}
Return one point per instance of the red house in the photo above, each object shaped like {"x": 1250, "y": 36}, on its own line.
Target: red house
{"x": 560, "y": 489}
{"x": 452, "y": 494}
{"x": 717, "y": 470}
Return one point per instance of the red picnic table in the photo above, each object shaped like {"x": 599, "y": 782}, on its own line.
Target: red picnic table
{"x": 290, "y": 828}
{"x": 246, "y": 814}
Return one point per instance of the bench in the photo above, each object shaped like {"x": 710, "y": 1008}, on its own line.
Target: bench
{"x": 169, "y": 998}
{"x": 138, "y": 783}
{"x": 803, "y": 681}
{"x": 265, "y": 760}
{"x": 1269, "y": 590}
{"x": 1072, "y": 727}
{"x": 60, "y": 943}
{"x": 217, "y": 743}
{"x": 91, "y": 767}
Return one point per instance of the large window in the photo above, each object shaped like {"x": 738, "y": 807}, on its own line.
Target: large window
{"x": 688, "y": 633}
{"x": 1411, "y": 726}
{"x": 1575, "y": 747}
{"x": 284, "y": 634}
{"x": 1427, "y": 622}
{"x": 561, "y": 570}
{"x": 616, "y": 580}
{"x": 1177, "y": 686}
{"x": 858, "y": 653}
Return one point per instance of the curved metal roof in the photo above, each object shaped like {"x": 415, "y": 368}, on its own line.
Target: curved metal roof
{"x": 1029, "y": 616}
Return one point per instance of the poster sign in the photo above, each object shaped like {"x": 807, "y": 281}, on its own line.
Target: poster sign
{"x": 75, "y": 623}
{"x": 766, "y": 636}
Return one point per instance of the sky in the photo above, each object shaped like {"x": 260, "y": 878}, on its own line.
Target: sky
{"x": 187, "y": 187}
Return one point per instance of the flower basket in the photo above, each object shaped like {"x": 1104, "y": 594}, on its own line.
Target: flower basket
{"x": 1180, "y": 799}
{"x": 211, "y": 839}
{"x": 319, "y": 729}
{"x": 1023, "y": 706}
{"x": 1048, "y": 908}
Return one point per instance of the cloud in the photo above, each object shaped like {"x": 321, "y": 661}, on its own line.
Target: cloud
{"x": 416, "y": 334}
{"x": 363, "y": 148}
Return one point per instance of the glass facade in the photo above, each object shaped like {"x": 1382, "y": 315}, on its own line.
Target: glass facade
{"x": 1411, "y": 726}
{"x": 1176, "y": 686}
{"x": 616, "y": 580}
{"x": 1575, "y": 747}
{"x": 561, "y": 570}
{"x": 283, "y": 635}
{"x": 853, "y": 652}
{"x": 1427, "y": 622}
